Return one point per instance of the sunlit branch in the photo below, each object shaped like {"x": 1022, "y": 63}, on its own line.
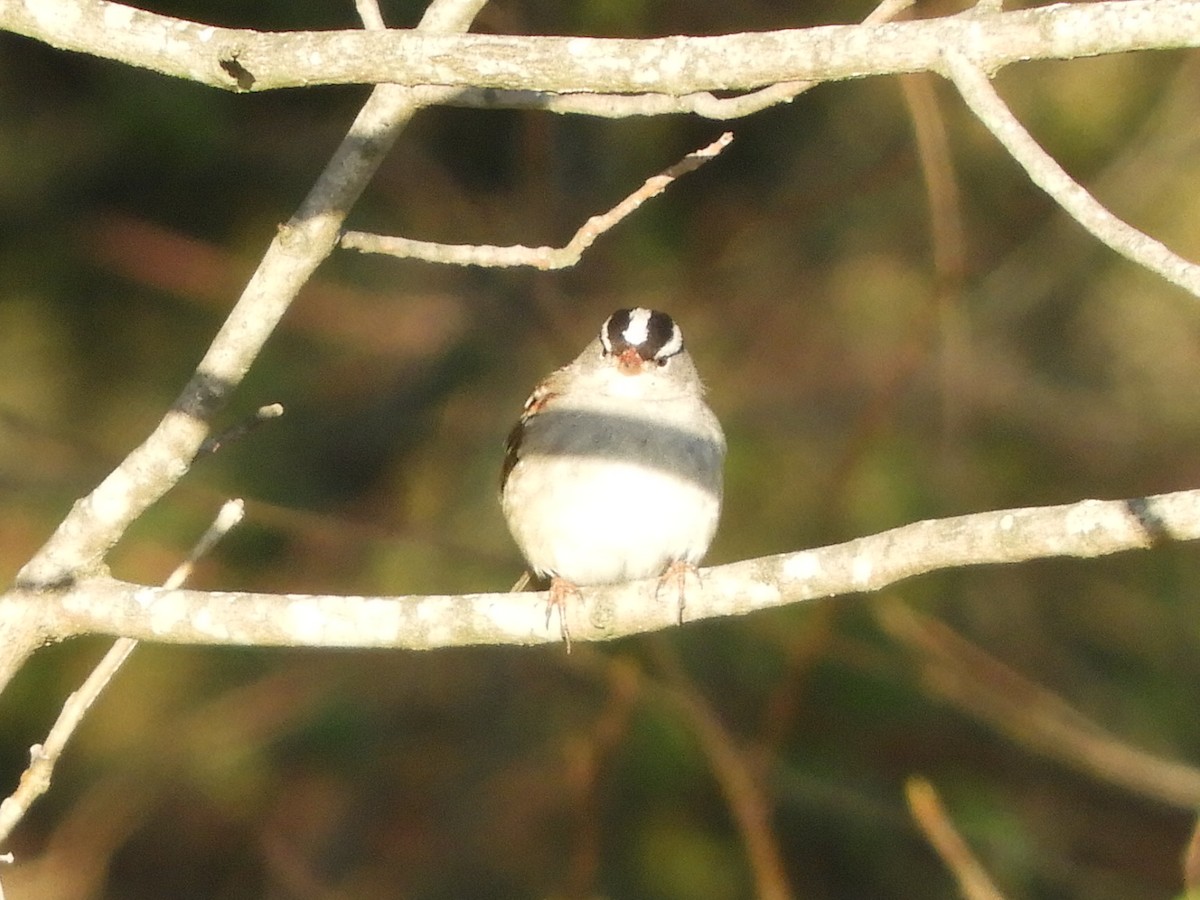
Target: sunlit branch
{"x": 623, "y": 106}
{"x": 43, "y": 757}
{"x": 247, "y": 60}
{"x": 371, "y": 15}
{"x": 99, "y": 520}
{"x": 1089, "y": 528}
{"x": 972, "y": 82}
{"x": 537, "y": 257}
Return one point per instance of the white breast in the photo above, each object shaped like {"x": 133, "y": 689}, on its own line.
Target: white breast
{"x": 600, "y": 495}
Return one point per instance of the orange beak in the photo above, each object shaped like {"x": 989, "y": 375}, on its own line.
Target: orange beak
{"x": 629, "y": 362}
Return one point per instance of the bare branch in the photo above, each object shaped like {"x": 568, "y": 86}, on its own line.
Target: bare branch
{"x": 1089, "y": 528}
{"x": 369, "y": 12}
{"x": 538, "y": 257}
{"x": 246, "y": 60}
{"x": 963, "y": 674}
{"x": 704, "y": 104}
{"x": 617, "y": 106}
{"x": 97, "y": 521}
{"x": 240, "y": 429}
{"x": 972, "y": 82}
{"x": 1191, "y": 860}
{"x": 937, "y": 826}
{"x": 748, "y": 801}
{"x": 623, "y": 106}
{"x": 35, "y": 780}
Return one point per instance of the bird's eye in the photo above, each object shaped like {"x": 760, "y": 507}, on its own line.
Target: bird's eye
{"x": 662, "y": 362}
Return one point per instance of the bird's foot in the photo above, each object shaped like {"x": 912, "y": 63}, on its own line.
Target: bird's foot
{"x": 678, "y": 572}
{"x": 560, "y": 590}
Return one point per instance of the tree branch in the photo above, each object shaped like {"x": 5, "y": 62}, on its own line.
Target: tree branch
{"x": 957, "y": 671}
{"x": 538, "y": 257}
{"x": 931, "y": 817}
{"x": 622, "y": 106}
{"x": 1089, "y": 528}
{"x": 35, "y": 781}
{"x": 973, "y": 84}
{"x": 745, "y": 794}
{"x": 247, "y": 60}
{"x": 98, "y": 521}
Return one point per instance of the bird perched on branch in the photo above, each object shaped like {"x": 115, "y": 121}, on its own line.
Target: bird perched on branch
{"x": 614, "y": 471}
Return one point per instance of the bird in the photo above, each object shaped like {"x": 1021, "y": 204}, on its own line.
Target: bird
{"x": 614, "y": 471}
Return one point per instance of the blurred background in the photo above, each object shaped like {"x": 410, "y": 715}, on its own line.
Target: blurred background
{"x": 893, "y": 325}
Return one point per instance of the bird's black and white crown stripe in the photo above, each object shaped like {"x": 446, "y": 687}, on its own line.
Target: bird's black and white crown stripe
{"x": 653, "y": 334}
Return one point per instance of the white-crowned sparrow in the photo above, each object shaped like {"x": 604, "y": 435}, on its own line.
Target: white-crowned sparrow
{"x": 614, "y": 471}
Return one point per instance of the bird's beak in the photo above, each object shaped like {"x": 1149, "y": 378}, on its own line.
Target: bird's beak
{"x": 630, "y": 362}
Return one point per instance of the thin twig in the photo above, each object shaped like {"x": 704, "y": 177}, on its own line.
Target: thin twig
{"x": 98, "y": 521}
{"x": 623, "y": 106}
{"x": 731, "y": 766}
{"x": 589, "y": 758}
{"x": 538, "y": 257}
{"x": 368, "y": 11}
{"x": 616, "y": 106}
{"x": 931, "y": 817}
{"x": 701, "y": 103}
{"x": 976, "y": 89}
{"x": 949, "y": 251}
{"x": 35, "y": 781}
{"x": 1029, "y": 714}
{"x": 1191, "y": 863}
{"x": 239, "y": 430}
